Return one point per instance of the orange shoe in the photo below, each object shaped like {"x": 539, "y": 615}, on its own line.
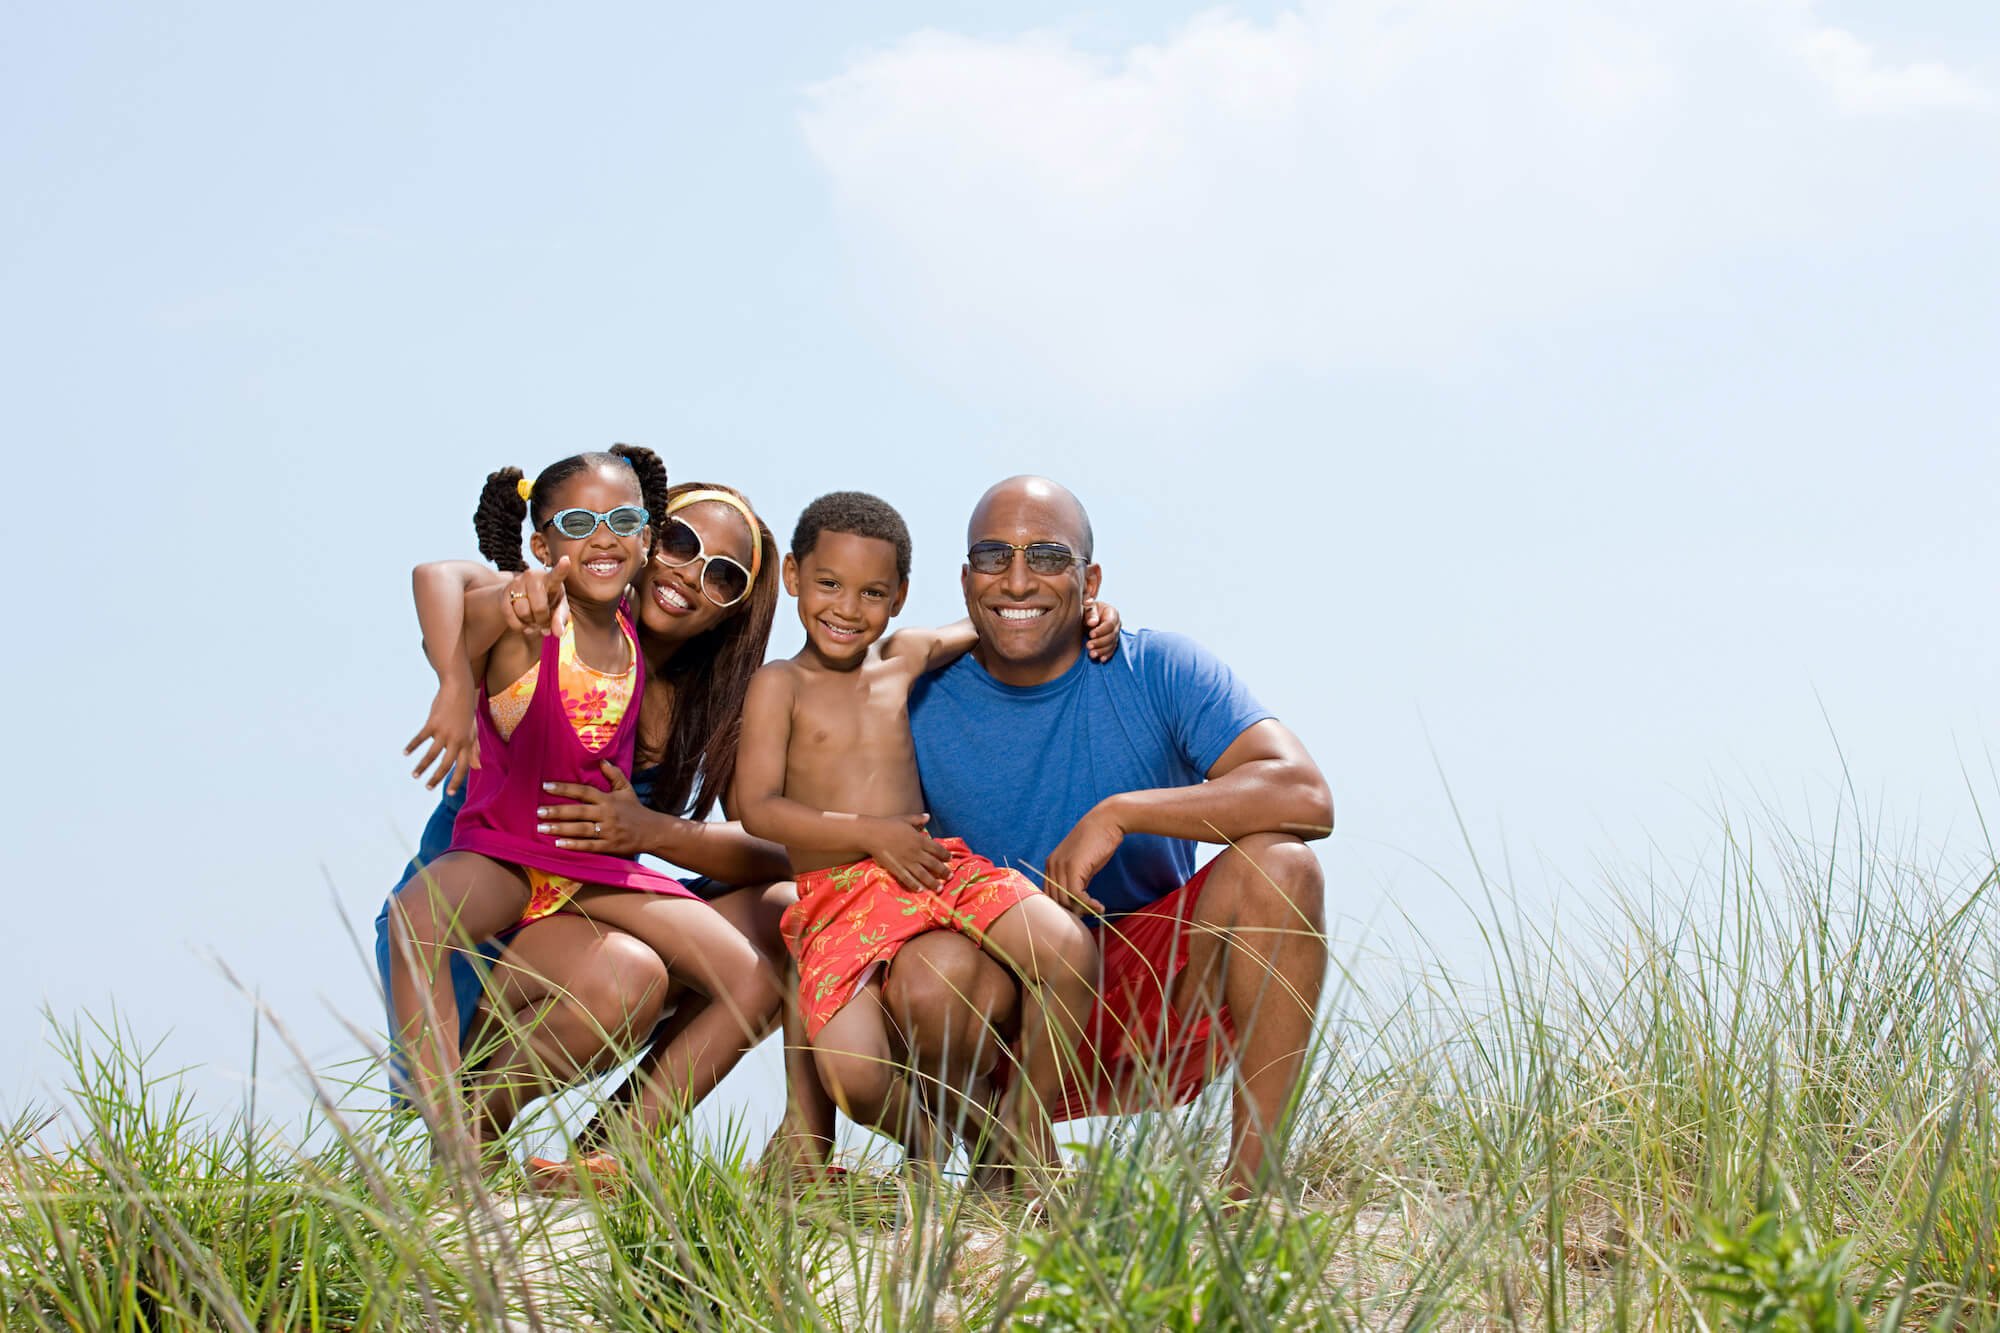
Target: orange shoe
{"x": 598, "y": 1170}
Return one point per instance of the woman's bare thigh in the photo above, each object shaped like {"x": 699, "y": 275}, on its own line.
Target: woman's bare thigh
{"x": 698, "y": 944}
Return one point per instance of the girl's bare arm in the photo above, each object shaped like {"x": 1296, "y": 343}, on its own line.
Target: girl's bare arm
{"x": 505, "y": 621}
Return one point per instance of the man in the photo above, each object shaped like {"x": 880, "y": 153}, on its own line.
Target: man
{"x": 1101, "y": 779}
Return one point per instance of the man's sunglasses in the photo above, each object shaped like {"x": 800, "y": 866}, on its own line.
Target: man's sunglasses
{"x": 1043, "y": 557}
{"x": 580, "y": 523}
{"x": 723, "y": 580}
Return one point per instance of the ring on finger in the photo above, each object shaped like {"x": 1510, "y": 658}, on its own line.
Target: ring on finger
{"x": 597, "y": 830}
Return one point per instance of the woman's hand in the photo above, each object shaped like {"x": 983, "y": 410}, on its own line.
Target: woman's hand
{"x": 1100, "y": 619}
{"x": 453, "y": 734}
{"x": 901, "y": 847}
{"x": 533, "y": 598}
{"x": 612, "y": 822}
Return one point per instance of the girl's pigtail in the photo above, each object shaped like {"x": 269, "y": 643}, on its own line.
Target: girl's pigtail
{"x": 499, "y": 517}
{"x": 652, "y": 479}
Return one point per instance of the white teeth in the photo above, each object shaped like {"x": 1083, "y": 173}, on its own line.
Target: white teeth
{"x": 1022, "y": 613}
{"x": 672, "y": 597}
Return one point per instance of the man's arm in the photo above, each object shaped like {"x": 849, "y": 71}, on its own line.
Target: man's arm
{"x": 1265, "y": 782}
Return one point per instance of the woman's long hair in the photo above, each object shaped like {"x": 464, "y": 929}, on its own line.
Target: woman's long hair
{"x": 710, "y": 675}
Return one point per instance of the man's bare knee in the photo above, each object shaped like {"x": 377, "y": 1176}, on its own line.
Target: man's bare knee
{"x": 1272, "y": 880}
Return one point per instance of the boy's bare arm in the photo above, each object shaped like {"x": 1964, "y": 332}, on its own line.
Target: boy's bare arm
{"x": 899, "y": 845}
{"x": 929, "y": 649}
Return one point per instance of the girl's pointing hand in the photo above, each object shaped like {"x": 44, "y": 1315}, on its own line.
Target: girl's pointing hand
{"x": 534, "y": 596}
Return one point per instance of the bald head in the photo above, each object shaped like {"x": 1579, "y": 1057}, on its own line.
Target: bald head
{"x": 1050, "y": 499}
{"x": 1029, "y": 615}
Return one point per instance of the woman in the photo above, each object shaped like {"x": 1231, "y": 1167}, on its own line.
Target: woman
{"x": 567, "y": 997}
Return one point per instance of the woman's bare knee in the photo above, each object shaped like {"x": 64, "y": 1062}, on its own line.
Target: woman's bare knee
{"x": 622, "y": 988}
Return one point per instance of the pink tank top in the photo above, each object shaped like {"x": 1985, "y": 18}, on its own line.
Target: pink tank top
{"x": 504, "y": 792}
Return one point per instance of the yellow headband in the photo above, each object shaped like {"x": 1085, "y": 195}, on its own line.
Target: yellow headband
{"x": 686, "y": 498}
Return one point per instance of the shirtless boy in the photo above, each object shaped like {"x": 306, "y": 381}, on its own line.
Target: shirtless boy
{"x": 827, "y": 768}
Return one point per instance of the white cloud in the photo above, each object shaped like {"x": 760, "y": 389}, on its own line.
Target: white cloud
{"x": 1356, "y": 181}
{"x": 1861, "y": 84}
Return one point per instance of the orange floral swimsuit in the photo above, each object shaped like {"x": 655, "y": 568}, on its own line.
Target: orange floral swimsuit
{"x": 594, "y": 702}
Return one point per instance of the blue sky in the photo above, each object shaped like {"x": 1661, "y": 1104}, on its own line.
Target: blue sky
{"x": 1587, "y": 401}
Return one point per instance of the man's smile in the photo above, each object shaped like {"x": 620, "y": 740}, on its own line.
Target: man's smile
{"x": 1021, "y": 613}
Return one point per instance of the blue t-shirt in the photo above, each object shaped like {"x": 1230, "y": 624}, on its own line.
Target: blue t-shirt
{"x": 1010, "y": 769}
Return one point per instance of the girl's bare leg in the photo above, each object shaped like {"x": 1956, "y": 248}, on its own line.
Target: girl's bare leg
{"x": 856, "y": 1060}
{"x": 1057, "y": 960}
{"x": 702, "y": 949}
{"x": 449, "y": 905}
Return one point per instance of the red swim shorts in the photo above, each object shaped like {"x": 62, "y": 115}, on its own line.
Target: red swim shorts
{"x": 1142, "y": 1053}
{"x": 850, "y": 918}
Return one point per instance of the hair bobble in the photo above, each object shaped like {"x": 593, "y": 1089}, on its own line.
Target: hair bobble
{"x": 525, "y": 488}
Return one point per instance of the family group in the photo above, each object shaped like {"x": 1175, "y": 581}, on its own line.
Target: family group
{"x": 957, "y": 866}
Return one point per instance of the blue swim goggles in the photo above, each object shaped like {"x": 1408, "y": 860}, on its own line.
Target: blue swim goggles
{"x": 580, "y": 523}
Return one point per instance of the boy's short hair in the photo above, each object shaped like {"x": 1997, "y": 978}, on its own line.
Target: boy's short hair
{"x": 858, "y": 514}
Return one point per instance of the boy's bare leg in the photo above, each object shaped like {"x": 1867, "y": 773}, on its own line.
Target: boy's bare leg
{"x": 703, "y": 950}
{"x": 857, "y": 1062}
{"x": 957, "y": 1011}
{"x": 451, "y": 904}
{"x": 803, "y": 1140}
{"x": 1057, "y": 960}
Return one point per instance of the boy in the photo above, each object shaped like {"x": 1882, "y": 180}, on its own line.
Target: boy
{"x": 826, "y": 767}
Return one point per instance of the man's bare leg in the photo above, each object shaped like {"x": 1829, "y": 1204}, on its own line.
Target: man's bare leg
{"x": 1258, "y": 949}
{"x": 1057, "y": 960}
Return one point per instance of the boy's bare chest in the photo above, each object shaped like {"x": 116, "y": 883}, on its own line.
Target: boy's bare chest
{"x": 846, "y": 715}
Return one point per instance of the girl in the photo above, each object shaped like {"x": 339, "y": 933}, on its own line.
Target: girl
{"x": 562, "y": 706}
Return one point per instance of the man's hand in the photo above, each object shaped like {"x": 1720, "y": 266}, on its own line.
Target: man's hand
{"x": 1077, "y": 859}
{"x": 534, "y": 596}
{"x": 901, "y": 847}
{"x": 613, "y": 822}
{"x": 453, "y": 734}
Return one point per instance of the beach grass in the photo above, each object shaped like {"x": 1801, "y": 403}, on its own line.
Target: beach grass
{"x": 1759, "y": 1096}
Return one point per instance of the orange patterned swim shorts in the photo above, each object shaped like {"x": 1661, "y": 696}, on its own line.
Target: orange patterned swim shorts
{"x": 850, "y": 918}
